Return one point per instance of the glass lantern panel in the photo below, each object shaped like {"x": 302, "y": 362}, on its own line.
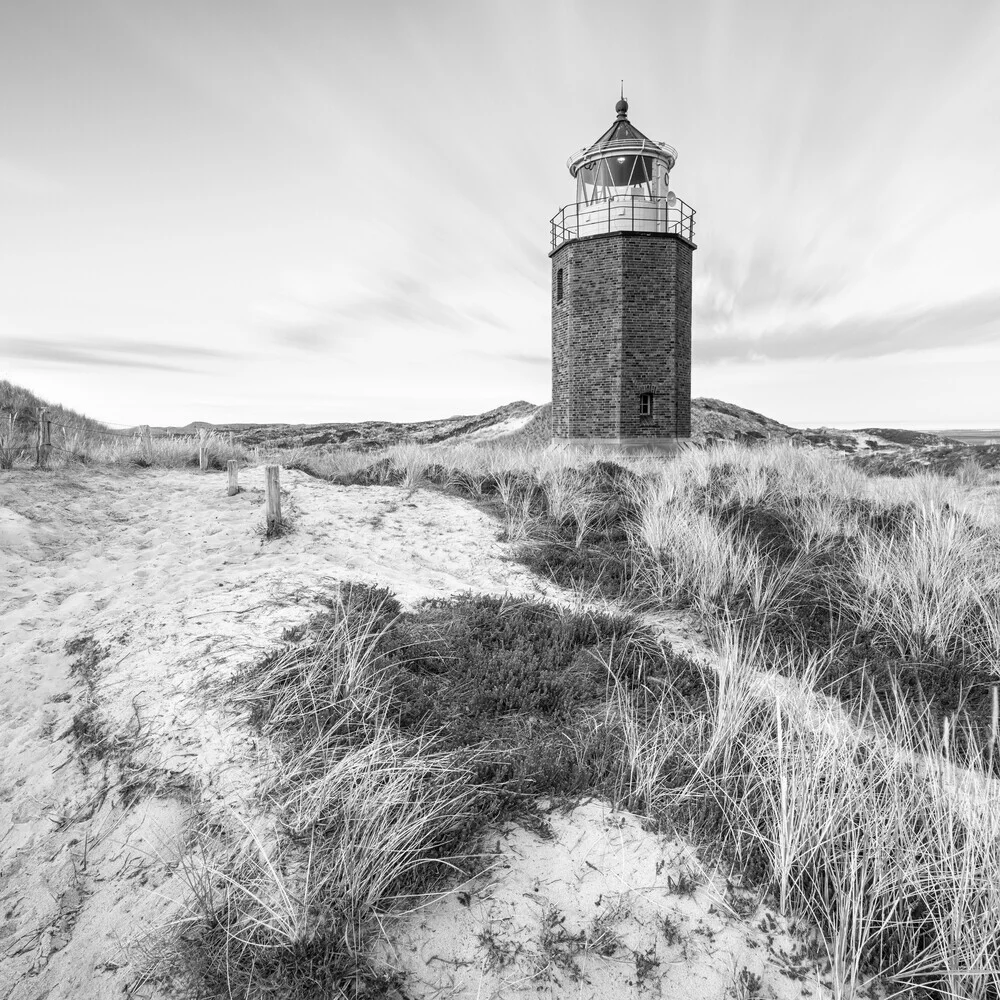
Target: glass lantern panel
{"x": 629, "y": 174}
{"x": 629, "y": 170}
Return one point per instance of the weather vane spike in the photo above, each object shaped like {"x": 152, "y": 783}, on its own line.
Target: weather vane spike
{"x": 623, "y": 90}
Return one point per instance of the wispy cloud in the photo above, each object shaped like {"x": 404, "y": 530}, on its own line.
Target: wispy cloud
{"x": 508, "y": 354}
{"x": 403, "y": 301}
{"x": 525, "y": 358}
{"x": 108, "y": 353}
{"x": 965, "y": 323}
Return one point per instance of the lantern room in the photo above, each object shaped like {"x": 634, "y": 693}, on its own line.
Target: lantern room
{"x": 622, "y": 162}
{"x": 623, "y": 184}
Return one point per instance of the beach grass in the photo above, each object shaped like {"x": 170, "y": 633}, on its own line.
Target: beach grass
{"x": 837, "y": 748}
{"x": 849, "y": 618}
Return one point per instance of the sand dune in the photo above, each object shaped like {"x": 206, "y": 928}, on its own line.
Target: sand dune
{"x": 172, "y": 578}
{"x": 168, "y": 586}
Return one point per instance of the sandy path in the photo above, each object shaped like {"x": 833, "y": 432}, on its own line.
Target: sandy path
{"x": 172, "y": 578}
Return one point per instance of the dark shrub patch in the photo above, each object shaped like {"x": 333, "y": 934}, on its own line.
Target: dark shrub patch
{"x": 610, "y": 477}
{"x": 519, "y": 682}
{"x": 767, "y": 529}
{"x": 516, "y": 679}
{"x": 501, "y": 657}
{"x": 866, "y": 674}
{"x": 893, "y": 522}
{"x": 439, "y": 475}
{"x": 363, "y": 599}
{"x": 325, "y": 964}
{"x": 601, "y": 561}
{"x": 617, "y": 490}
{"x": 493, "y": 484}
{"x": 589, "y": 566}
{"x": 380, "y": 473}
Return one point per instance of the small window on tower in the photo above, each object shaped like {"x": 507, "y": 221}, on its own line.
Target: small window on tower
{"x": 646, "y": 404}
{"x": 559, "y": 289}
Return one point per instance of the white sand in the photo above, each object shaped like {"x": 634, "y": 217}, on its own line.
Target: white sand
{"x": 597, "y": 906}
{"x": 172, "y": 578}
{"x": 498, "y": 430}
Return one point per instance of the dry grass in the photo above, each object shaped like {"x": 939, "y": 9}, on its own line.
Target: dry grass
{"x": 358, "y": 819}
{"x": 74, "y": 446}
{"x": 850, "y": 812}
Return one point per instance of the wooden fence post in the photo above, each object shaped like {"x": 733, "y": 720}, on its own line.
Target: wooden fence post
{"x": 7, "y": 450}
{"x": 232, "y": 466}
{"x": 273, "y": 489}
{"x": 40, "y": 437}
{"x": 147, "y": 442}
{"x": 203, "y": 449}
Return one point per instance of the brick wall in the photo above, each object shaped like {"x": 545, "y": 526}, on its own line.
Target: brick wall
{"x": 623, "y": 328}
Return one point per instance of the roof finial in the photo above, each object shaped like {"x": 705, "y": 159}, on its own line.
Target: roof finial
{"x": 622, "y": 106}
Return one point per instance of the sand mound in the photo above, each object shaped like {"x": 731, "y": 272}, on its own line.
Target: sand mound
{"x": 593, "y": 905}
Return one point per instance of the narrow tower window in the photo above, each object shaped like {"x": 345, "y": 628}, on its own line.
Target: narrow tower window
{"x": 646, "y": 404}
{"x": 559, "y": 290}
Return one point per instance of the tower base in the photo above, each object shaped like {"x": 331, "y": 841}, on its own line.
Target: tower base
{"x": 630, "y": 446}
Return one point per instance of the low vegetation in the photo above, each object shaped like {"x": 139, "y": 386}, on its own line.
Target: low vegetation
{"x": 840, "y": 754}
{"x": 398, "y": 738}
{"x": 395, "y": 740}
{"x": 79, "y": 440}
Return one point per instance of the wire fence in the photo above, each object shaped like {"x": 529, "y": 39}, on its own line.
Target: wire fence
{"x": 25, "y": 415}
{"x": 29, "y": 428}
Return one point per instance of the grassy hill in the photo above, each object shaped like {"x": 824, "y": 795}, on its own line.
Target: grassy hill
{"x": 24, "y": 404}
{"x": 877, "y": 449}
{"x": 366, "y": 434}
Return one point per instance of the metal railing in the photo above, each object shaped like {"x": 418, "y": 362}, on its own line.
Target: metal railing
{"x": 622, "y": 214}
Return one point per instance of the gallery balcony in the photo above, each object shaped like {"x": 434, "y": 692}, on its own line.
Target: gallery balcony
{"x": 623, "y": 213}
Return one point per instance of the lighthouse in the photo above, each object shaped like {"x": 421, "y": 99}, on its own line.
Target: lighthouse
{"x": 621, "y": 298}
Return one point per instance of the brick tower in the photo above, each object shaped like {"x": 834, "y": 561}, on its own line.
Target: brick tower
{"x": 621, "y": 298}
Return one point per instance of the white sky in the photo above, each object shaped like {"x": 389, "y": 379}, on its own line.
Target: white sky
{"x": 309, "y": 211}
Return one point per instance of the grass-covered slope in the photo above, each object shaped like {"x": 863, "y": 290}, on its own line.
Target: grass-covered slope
{"x": 78, "y": 439}
{"x": 365, "y": 434}
{"x": 24, "y": 404}
{"x": 873, "y": 815}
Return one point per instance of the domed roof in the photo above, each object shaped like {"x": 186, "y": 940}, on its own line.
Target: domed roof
{"x": 622, "y": 137}
{"x": 621, "y": 130}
